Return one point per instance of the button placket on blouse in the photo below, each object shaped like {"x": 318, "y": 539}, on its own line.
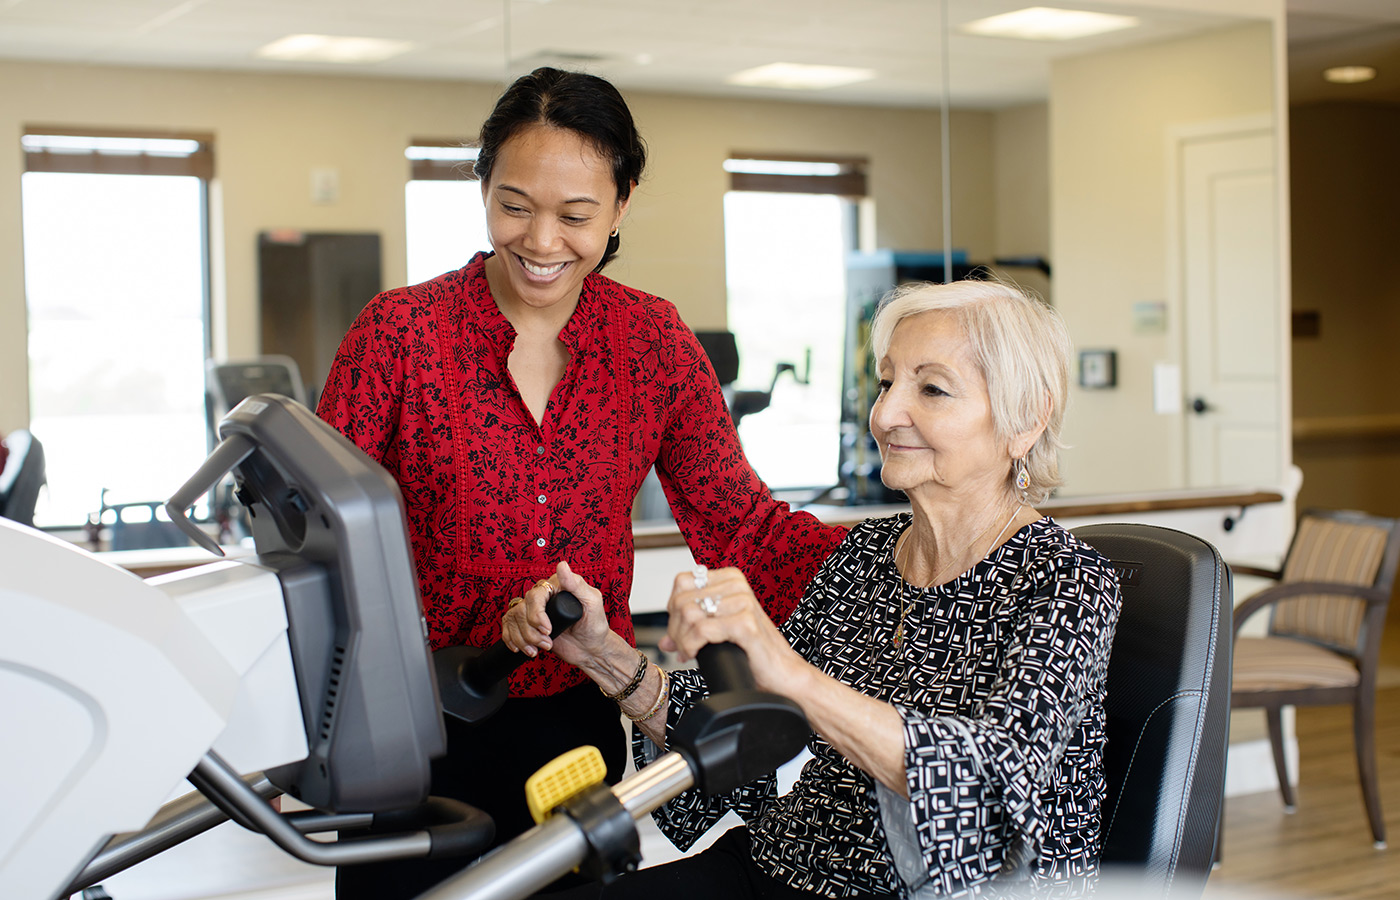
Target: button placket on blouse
{"x": 541, "y": 499}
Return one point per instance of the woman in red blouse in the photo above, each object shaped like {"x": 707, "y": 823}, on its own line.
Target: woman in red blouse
{"x": 519, "y": 402}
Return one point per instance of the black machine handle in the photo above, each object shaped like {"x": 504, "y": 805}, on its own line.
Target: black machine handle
{"x": 497, "y": 661}
{"x": 737, "y": 733}
{"x": 472, "y": 681}
{"x": 725, "y": 667}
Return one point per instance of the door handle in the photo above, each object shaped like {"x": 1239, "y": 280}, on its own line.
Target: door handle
{"x": 1199, "y": 406}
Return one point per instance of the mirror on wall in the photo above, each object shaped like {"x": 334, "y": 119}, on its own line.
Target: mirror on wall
{"x": 1078, "y": 167}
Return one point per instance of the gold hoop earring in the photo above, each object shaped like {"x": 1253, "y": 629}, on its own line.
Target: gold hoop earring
{"x": 614, "y": 232}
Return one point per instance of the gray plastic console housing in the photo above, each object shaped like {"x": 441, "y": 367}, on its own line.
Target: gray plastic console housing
{"x": 331, "y": 522}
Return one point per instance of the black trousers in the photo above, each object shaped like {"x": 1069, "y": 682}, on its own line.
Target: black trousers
{"x": 486, "y": 766}
{"x": 724, "y": 871}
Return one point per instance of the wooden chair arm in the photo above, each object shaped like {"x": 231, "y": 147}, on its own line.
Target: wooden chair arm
{"x": 1240, "y": 569}
{"x": 1279, "y": 592}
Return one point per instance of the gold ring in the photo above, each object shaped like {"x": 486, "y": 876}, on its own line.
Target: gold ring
{"x": 514, "y": 602}
{"x": 548, "y": 586}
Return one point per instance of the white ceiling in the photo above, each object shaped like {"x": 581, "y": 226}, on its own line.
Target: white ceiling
{"x": 685, "y": 46}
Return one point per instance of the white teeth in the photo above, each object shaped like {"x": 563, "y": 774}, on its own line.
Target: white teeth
{"x": 541, "y": 271}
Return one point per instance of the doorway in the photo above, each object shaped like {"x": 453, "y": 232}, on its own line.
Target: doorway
{"x": 1228, "y": 251}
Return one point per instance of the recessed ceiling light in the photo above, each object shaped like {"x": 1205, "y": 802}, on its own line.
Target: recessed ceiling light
{"x": 799, "y": 77}
{"x": 1044, "y": 23}
{"x": 329, "y": 48}
{"x": 1349, "y": 74}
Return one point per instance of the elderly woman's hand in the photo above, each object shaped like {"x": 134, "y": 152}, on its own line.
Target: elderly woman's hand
{"x": 525, "y": 627}
{"x": 724, "y": 608}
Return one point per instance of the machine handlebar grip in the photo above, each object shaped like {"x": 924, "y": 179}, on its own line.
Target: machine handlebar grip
{"x": 497, "y": 661}
{"x": 725, "y": 667}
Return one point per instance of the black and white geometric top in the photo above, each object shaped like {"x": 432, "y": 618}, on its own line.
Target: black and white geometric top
{"x": 1000, "y": 682}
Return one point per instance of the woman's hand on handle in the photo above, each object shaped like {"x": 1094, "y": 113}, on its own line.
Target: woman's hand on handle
{"x": 867, "y": 731}
{"x": 723, "y": 609}
{"x": 526, "y": 627}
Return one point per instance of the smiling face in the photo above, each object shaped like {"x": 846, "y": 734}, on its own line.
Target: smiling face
{"x": 933, "y": 419}
{"x": 551, "y": 203}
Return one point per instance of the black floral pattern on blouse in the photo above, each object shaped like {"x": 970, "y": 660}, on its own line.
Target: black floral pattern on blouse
{"x": 494, "y": 500}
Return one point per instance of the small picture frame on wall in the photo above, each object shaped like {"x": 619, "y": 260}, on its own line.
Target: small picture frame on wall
{"x": 1098, "y": 369}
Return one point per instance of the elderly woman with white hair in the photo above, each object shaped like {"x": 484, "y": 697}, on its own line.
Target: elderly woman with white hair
{"x": 951, "y": 659}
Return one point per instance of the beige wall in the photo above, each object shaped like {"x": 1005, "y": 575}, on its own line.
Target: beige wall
{"x": 1110, "y": 116}
{"x": 1346, "y": 191}
{"x": 270, "y": 131}
{"x": 1021, "y": 139}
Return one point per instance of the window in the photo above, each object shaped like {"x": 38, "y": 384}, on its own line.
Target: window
{"x": 446, "y": 219}
{"x": 116, "y": 287}
{"x": 789, "y": 225}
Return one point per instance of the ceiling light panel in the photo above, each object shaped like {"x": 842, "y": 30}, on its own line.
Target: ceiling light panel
{"x": 799, "y": 77}
{"x": 333, "y": 49}
{"x": 1045, "y": 23}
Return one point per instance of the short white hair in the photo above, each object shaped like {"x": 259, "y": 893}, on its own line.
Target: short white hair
{"x": 1022, "y": 348}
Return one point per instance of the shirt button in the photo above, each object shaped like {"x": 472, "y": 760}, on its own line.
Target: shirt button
{"x": 540, "y": 498}
{"x": 539, "y": 542}
{"x": 539, "y": 451}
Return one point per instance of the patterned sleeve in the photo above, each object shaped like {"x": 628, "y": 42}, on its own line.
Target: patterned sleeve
{"x": 687, "y": 817}
{"x": 975, "y": 783}
{"x": 361, "y": 395}
{"x": 722, "y": 507}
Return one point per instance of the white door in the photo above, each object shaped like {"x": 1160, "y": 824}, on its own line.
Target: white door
{"x": 1229, "y": 254}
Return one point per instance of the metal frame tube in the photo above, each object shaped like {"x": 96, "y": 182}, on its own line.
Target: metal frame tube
{"x": 557, "y": 845}
{"x": 177, "y": 821}
{"x": 218, "y": 777}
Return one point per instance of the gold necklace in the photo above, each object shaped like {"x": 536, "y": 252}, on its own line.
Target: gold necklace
{"x": 904, "y": 599}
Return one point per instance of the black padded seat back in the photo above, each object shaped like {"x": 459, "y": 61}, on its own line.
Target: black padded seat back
{"x": 1168, "y": 706}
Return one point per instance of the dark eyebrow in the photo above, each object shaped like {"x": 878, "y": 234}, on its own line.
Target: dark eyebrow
{"x": 515, "y": 190}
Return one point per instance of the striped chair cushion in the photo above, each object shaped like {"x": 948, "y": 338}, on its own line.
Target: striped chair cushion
{"x": 1283, "y": 664}
{"x": 1329, "y": 550}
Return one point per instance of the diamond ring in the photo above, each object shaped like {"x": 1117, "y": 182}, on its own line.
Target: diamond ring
{"x": 701, "y": 574}
{"x": 709, "y": 604}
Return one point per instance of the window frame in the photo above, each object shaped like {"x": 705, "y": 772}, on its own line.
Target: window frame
{"x": 849, "y": 181}
{"x": 198, "y": 164}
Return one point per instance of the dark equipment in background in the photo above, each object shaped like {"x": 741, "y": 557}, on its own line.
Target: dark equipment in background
{"x": 869, "y": 277}
{"x": 723, "y": 351}
{"x": 25, "y": 473}
{"x": 227, "y": 383}
{"x": 136, "y": 526}
{"x": 311, "y": 285}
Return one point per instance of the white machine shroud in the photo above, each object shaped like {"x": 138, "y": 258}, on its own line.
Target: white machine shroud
{"x": 112, "y": 688}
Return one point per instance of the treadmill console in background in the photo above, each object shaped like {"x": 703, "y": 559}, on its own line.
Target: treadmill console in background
{"x": 331, "y": 522}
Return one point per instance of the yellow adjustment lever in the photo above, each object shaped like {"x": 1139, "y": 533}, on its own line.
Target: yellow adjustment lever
{"x": 563, "y": 777}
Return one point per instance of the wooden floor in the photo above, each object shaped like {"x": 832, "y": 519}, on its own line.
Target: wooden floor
{"x": 1324, "y": 849}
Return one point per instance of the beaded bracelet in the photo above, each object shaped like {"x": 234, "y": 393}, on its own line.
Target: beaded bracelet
{"x": 661, "y": 697}
{"x": 632, "y": 685}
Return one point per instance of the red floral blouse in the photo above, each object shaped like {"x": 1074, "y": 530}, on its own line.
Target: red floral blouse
{"x": 494, "y": 500}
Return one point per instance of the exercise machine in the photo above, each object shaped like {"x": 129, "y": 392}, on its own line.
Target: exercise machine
{"x": 301, "y": 670}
